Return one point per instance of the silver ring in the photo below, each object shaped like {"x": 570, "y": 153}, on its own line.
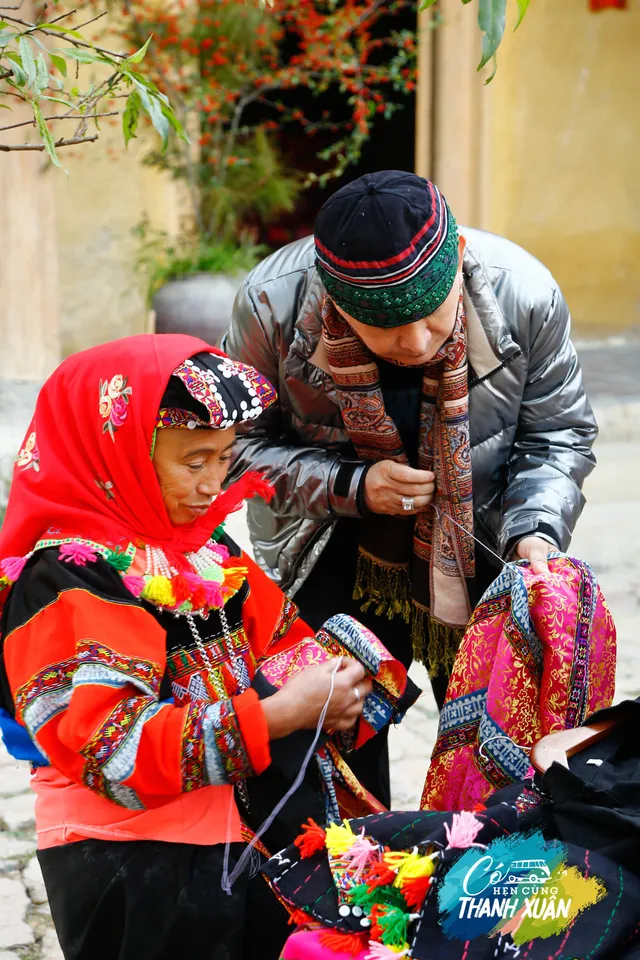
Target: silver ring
{"x": 408, "y": 503}
{"x": 356, "y": 694}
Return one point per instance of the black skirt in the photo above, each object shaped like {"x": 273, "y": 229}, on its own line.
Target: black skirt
{"x": 151, "y": 900}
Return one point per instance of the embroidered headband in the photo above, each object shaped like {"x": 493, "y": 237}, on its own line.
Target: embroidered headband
{"x": 212, "y": 391}
{"x": 387, "y": 248}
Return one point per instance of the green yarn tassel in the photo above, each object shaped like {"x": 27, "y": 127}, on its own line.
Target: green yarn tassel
{"x": 394, "y": 924}
{"x": 363, "y": 897}
{"x": 118, "y": 559}
{"x": 218, "y": 533}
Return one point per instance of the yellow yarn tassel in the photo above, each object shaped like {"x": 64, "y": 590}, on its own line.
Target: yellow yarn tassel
{"x": 409, "y": 866}
{"x": 234, "y": 577}
{"x": 158, "y": 591}
{"x": 339, "y": 839}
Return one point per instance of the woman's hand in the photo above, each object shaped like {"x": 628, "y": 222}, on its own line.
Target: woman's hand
{"x": 298, "y": 705}
{"x": 388, "y": 482}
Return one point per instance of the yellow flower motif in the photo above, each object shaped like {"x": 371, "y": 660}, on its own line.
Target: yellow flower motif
{"x": 105, "y": 405}
{"x": 31, "y": 442}
{"x": 115, "y": 387}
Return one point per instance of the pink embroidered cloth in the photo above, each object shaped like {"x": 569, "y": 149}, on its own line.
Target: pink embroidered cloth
{"x": 539, "y": 655}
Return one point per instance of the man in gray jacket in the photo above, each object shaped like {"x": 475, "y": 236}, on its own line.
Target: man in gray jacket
{"x": 431, "y": 419}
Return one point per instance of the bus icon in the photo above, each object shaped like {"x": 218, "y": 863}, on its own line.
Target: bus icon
{"x": 528, "y": 871}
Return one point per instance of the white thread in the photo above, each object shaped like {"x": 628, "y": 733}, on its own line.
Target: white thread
{"x": 503, "y": 736}
{"x": 439, "y": 510}
{"x": 229, "y": 879}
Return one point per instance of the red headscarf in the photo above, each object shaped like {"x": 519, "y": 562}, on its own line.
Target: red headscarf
{"x": 85, "y": 468}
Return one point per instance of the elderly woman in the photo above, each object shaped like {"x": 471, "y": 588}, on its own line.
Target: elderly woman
{"x": 132, "y": 631}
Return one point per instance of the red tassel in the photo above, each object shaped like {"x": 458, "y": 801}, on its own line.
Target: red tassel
{"x": 352, "y": 943}
{"x": 251, "y": 484}
{"x": 375, "y": 931}
{"x": 479, "y": 807}
{"x": 311, "y": 840}
{"x": 595, "y": 5}
{"x": 298, "y": 918}
{"x": 182, "y": 590}
{"x": 414, "y": 891}
{"x": 378, "y": 875}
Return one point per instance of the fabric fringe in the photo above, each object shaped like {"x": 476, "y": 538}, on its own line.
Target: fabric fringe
{"x": 387, "y": 588}
{"x": 434, "y": 644}
{"x": 385, "y": 585}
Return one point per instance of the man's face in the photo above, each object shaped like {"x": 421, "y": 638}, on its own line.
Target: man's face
{"x": 413, "y": 344}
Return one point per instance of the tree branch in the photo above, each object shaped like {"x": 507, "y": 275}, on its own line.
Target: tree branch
{"x": 61, "y": 116}
{"x": 62, "y": 36}
{"x": 8, "y": 148}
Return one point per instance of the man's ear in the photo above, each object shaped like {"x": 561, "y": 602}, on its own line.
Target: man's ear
{"x": 461, "y": 247}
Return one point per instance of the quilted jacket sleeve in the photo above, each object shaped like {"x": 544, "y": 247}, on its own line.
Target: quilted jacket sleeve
{"x": 552, "y": 454}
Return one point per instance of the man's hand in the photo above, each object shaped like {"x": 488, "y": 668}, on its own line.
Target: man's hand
{"x": 535, "y": 550}
{"x": 387, "y": 482}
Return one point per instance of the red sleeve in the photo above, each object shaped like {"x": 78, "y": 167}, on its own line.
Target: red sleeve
{"x": 85, "y": 673}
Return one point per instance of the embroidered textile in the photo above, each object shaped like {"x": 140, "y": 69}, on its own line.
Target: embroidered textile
{"x": 538, "y": 655}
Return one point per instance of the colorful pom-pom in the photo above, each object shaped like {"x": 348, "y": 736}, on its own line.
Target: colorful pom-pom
{"x": 360, "y": 856}
{"x": 414, "y": 892}
{"x": 311, "y": 840}
{"x": 119, "y": 560}
{"x": 379, "y": 875}
{"x": 350, "y": 943}
{"x": 212, "y": 594}
{"x": 409, "y": 865}
{"x": 463, "y": 831}
{"x": 78, "y": 553}
{"x": 12, "y": 567}
{"x": 340, "y": 838}
{"x": 298, "y": 918}
{"x": 378, "y": 951}
{"x": 394, "y": 923}
{"x": 134, "y": 585}
{"x": 158, "y": 591}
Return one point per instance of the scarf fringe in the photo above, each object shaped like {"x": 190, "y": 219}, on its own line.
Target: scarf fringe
{"x": 435, "y": 644}
{"x": 387, "y": 588}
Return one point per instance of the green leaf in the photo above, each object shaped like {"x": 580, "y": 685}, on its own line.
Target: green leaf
{"x": 131, "y": 116}
{"x": 58, "y": 28}
{"x": 45, "y": 134}
{"x": 140, "y": 54}
{"x": 28, "y": 63}
{"x": 426, "y": 4}
{"x": 492, "y": 16}
{"x": 86, "y": 56}
{"x": 3, "y": 106}
{"x": 42, "y": 80}
{"x": 6, "y": 36}
{"x": 153, "y": 107}
{"x": 175, "y": 123}
{"x": 66, "y": 103}
{"x": 16, "y": 68}
{"x": 59, "y": 63}
{"x": 522, "y": 9}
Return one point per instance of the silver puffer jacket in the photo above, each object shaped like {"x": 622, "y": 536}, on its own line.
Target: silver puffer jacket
{"x": 532, "y": 428}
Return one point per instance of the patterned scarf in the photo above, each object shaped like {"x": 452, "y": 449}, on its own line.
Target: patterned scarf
{"x": 418, "y": 567}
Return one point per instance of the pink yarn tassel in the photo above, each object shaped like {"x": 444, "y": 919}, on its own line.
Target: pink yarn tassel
{"x": 378, "y": 951}
{"x": 463, "y": 831}
{"x": 360, "y": 855}
{"x": 221, "y": 552}
{"x": 134, "y": 585}
{"x": 78, "y": 553}
{"x": 212, "y": 593}
{"x": 193, "y": 579}
{"x": 12, "y": 567}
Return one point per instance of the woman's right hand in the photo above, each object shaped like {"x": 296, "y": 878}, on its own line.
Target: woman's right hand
{"x": 298, "y": 705}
